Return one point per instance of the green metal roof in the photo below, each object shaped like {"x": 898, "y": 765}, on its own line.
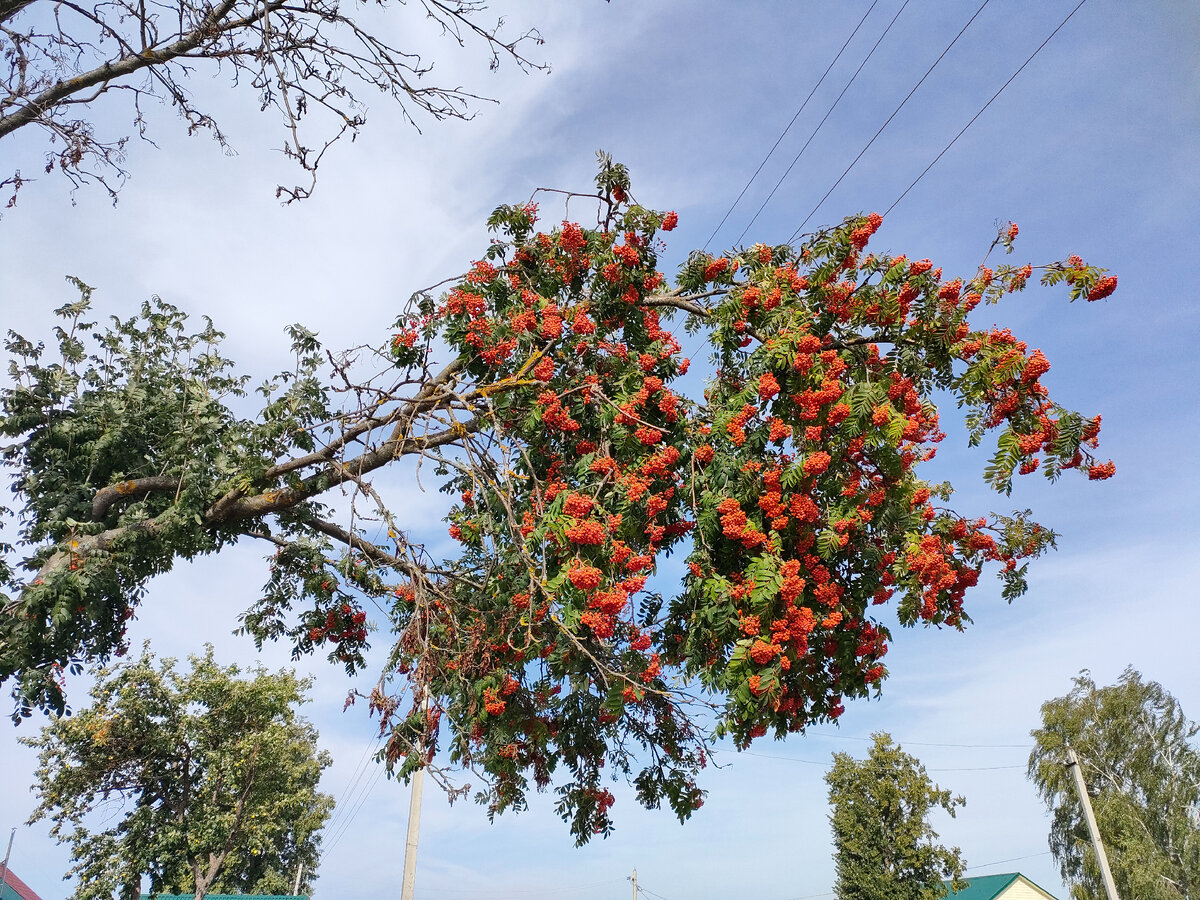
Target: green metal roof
{"x": 985, "y": 887}
{"x": 988, "y": 887}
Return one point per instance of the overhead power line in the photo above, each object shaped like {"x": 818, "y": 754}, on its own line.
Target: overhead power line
{"x": 647, "y": 891}
{"x": 513, "y": 894}
{"x": 848, "y": 737}
{"x": 828, "y": 113}
{"x": 895, "y": 112}
{"x": 825, "y": 763}
{"x": 783, "y": 134}
{"x": 1010, "y": 859}
{"x": 340, "y": 807}
{"x": 986, "y": 105}
{"x": 349, "y": 819}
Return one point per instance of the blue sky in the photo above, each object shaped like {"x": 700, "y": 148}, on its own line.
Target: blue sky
{"x": 1091, "y": 150}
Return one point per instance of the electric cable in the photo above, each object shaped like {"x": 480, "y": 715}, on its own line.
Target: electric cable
{"x": 828, "y": 113}
{"x": 533, "y": 894}
{"x": 986, "y": 105}
{"x": 823, "y": 763}
{"x": 351, "y": 786}
{"x": 848, "y": 737}
{"x": 895, "y": 112}
{"x": 789, "y": 125}
{"x": 1010, "y": 859}
{"x": 349, "y": 820}
{"x": 642, "y": 890}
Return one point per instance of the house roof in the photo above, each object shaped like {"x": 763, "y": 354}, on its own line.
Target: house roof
{"x": 989, "y": 887}
{"x": 227, "y": 897}
{"x": 985, "y": 887}
{"x": 15, "y": 888}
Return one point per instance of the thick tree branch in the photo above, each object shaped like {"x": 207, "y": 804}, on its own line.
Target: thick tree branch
{"x": 234, "y": 508}
{"x": 285, "y": 498}
{"x": 87, "y": 544}
{"x": 106, "y": 497}
{"x": 688, "y": 302}
{"x": 424, "y": 401}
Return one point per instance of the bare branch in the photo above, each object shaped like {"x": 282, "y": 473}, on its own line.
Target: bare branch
{"x": 306, "y": 59}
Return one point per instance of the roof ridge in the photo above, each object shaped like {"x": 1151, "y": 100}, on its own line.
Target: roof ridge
{"x": 19, "y": 887}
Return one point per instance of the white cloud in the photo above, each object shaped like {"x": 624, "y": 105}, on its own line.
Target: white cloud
{"x": 1087, "y": 150}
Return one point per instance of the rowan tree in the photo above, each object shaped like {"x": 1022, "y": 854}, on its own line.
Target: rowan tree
{"x": 544, "y": 390}
{"x": 884, "y": 844}
{"x": 313, "y": 63}
{"x": 212, "y": 777}
{"x": 1138, "y": 755}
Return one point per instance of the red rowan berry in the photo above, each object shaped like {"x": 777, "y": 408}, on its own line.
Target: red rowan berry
{"x": 1103, "y": 288}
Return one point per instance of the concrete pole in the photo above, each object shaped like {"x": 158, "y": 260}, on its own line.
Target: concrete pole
{"x": 4, "y": 876}
{"x": 296, "y": 886}
{"x": 409, "y": 883}
{"x": 634, "y": 880}
{"x": 1110, "y": 887}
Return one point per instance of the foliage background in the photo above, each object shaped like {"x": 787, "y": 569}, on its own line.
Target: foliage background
{"x": 1139, "y": 756}
{"x": 1089, "y": 150}
{"x": 879, "y": 815}
{"x": 211, "y": 769}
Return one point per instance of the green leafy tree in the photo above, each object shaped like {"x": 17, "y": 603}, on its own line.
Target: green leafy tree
{"x": 1138, "y": 755}
{"x": 539, "y": 653}
{"x": 884, "y": 843}
{"x": 212, "y": 779}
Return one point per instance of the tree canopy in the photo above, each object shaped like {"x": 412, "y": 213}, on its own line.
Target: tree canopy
{"x": 884, "y": 844}
{"x": 559, "y": 419}
{"x": 1138, "y": 754}
{"x": 311, "y": 62}
{"x": 212, "y": 778}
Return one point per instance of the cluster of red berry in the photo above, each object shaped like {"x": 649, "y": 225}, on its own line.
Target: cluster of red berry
{"x": 797, "y": 478}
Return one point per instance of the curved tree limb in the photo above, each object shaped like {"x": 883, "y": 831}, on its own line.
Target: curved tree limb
{"x": 106, "y": 497}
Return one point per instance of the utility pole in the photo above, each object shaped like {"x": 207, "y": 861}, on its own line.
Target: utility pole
{"x": 296, "y": 886}
{"x": 409, "y": 883}
{"x": 1110, "y": 887}
{"x": 634, "y": 880}
{"x": 4, "y": 876}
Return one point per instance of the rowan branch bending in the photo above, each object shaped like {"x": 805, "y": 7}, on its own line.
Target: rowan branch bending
{"x": 547, "y": 648}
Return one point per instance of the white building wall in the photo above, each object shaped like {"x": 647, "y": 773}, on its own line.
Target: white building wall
{"x": 1022, "y": 889}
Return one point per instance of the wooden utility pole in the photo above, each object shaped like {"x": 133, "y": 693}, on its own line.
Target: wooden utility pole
{"x": 1110, "y": 887}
